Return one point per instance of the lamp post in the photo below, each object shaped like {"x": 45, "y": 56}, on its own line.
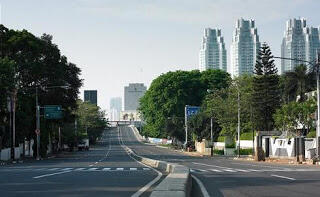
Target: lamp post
{"x": 316, "y": 66}
{"x": 238, "y": 122}
{"x": 38, "y": 116}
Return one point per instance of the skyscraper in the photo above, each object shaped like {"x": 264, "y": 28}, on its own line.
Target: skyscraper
{"x": 91, "y": 96}
{"x": 244, "y": 48}
{"x": 115, "y": 108}
{"x": 213, "y": 54}
{"x": 132, "y": 94}
{"x": 299, "y": 42}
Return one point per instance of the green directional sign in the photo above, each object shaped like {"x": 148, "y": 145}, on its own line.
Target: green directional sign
{"x": 52, "y": 112}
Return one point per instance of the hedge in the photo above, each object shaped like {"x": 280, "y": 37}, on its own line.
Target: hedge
{"x": 244, "y": 151}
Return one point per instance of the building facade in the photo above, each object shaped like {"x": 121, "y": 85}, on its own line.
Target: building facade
{"x": 91, "y": 96}
{"x": 244, "y": 48}
{"x": 300, "y": 42}
{"x": 115, "y": 108}
{"x": 132, "y": 94}
{"x": 213, "y": 54}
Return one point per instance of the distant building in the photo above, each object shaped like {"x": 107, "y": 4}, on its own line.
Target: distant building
{"x": 130, "y": 115}
{"x": 244, "y": 48}
{"x": 299, "y": 42}
{"x": 213, "y": 54}
{"x": 115, "y": 108}
{"x": 132, "y": 94}
{"x": 91, "y": 96}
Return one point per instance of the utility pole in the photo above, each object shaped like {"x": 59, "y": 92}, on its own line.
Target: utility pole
{"x": 318, "y": 104}
{"x": 186, "y": 124}
{"x": 238, "y": 122}
{"x": 38, "y": 124}
{"x": 211, "y": 135}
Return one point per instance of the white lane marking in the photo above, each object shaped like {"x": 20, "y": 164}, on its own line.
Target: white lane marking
{"x": 46, "y": 175}
{"x": 283, "y": 177}
{"x": 133, "y": 169}
{"x": 240, "y": 170}
{"x": 79, "y": 169}
{"x": 202, "y": 188}
{"x": 215, "y": 170}
{"x": 254, "y": 170}
{"x": 39, "y": 169}
{"x": 53, "y": 169}
{"x": 66, "y": 169}
{"x": 146, "y": 168}
{"x": 229, "y": 170}
{"x": 106, "y": 169}
{"x": 119, "y": 168}
{"x": 148, "y": 185}
{"x": 92, "y": 169}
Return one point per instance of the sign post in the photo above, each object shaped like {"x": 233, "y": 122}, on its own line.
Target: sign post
{"x": 188, "y": 112}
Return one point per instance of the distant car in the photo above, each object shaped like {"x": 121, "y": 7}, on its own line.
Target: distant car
{"x": 83, "y": 144}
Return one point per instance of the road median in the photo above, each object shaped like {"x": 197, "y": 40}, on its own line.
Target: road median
{"x": 178, "y": 182}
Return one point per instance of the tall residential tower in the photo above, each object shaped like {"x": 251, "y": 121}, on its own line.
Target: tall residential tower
{"x": 244, "y": 48}
{"x": 299, "y": 42}
{"x": 213, "y": 54}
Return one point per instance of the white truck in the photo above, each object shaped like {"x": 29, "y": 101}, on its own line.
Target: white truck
{"x": 83, "y": 144}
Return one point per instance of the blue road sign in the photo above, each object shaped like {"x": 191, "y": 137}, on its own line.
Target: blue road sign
{"x": 192, "y": 110}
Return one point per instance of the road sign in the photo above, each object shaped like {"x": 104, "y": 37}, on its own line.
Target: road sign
{"x": 192, "y": 110}
{"x": 52, "y": 112}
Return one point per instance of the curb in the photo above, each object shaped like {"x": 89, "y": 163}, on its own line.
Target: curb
{"x": 178, "y": 182}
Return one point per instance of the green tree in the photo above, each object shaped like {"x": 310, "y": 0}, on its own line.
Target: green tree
{"x": 200, "y": 126}
{"x": 293, "y": 115}
{"x": 266, "y": 94}
{"x": 223, "y": 106}
{"x": 297, "y": 83}
{"x": 91, "y": 121}
{"x": 170, "y": 92}
{"x": 39, "y": 64}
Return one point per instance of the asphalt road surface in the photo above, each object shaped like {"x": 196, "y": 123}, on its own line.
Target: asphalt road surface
{"x": 222, "y": 176}
{"x": 104, "y": 170}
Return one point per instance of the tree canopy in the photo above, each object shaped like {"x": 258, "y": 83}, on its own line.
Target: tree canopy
{"x": 170, "y": 92}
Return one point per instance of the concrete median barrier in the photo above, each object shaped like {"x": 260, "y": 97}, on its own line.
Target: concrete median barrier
{"x": 178, "y": 183}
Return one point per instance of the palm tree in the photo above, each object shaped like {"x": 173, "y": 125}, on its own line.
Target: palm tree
{"x": 298, "y": 82}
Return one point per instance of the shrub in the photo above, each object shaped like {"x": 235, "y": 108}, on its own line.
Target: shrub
{"x": 220, "y": 139}
{"x": 311, "y": 134}
{"x": 218, "y": 152}
{"x": 244, "y": 151}
{"x": 233, "y": 145}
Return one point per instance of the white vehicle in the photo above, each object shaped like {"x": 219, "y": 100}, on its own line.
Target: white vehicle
{"x": 83, "y": 144}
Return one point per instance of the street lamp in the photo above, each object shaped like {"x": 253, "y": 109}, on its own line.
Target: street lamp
{"x": 316, "y": 66}
{"x": 38, "y": 116}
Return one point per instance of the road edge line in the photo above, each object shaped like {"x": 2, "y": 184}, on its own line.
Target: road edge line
{"x": 170, "y": 185}
{"x": 202, "y": 187}
{"x": 149, "y": 184}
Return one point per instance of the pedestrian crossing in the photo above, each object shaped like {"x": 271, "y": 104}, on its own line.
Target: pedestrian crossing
{"x": 80, "y": 169}
{"x": 234, "y": 170}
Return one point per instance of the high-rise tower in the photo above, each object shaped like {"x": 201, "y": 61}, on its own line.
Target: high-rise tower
{"x": 244, "y": 48}
{"x": 299, "y": 42}
{"x": 213, "y": 54}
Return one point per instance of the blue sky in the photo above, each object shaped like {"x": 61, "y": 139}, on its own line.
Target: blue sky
{"x": 116, "y": 42}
